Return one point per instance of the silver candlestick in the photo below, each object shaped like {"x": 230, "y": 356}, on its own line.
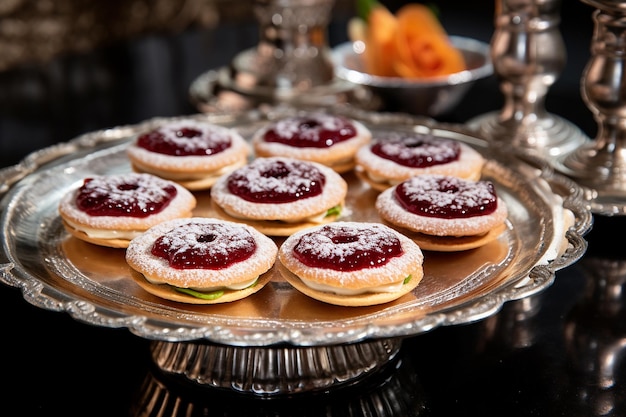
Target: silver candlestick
{"x": 600, "y": 165}
{"x": 528, "y": 55}
{"x": 290, "y": 64}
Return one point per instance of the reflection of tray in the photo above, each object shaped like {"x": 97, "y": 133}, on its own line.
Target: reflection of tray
{"x": 57, "y": 272}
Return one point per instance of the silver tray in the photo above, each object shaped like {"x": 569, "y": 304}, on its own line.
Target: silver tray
{"x": 54, "y": 271}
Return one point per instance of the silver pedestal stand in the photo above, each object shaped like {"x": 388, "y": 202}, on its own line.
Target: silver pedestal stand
{"x": 528, "y": 54}
{"x": 290, "y": 65}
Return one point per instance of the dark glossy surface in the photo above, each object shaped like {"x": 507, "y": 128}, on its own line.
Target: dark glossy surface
{"x": 556, "y": 354}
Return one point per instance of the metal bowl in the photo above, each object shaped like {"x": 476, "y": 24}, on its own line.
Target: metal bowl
{"x": 431, "y": 97}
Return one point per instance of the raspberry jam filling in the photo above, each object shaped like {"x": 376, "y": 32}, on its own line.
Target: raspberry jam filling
{"x": 276, "y": 181}
{"x": 314, "y": 131}
{"x": 418, "y": 151}
{"x": 204, "y": 246}
{"x": 347, "y": 248}
{"x": 446, "y": 197}
{"x": 185, "y": 140}
{"x": 124, "y": 196}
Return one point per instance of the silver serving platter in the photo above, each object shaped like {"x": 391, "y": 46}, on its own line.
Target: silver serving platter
{"x": 54, "y": 271}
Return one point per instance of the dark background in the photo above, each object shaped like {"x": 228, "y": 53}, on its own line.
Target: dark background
{"x": 71, "y": 67}
{"x": 131, "y": 69}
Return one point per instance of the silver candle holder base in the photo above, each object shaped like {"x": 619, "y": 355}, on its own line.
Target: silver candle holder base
{"x": 549, "y": 136}
{"x": 219, "y": 91}
{"x": 601, "y": 173}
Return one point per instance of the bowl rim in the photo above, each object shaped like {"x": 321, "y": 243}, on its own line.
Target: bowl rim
{"x": 342, "y": 51}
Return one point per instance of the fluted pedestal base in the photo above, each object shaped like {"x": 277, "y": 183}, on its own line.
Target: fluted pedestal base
{"x": 273, "y": 371}
{"x": 393, "y": 391}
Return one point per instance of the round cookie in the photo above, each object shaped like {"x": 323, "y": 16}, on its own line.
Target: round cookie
{"x": 443, "y": 213}
{"x": 351, "y": 263}
{"x": 324, "y": 138}
{"x": 111, "y": 210}
{"x": 395, "y": 157}
{"x": 201, "y": 260}
{"x": 279, "y": 195}
{"x": 193, "y": 153}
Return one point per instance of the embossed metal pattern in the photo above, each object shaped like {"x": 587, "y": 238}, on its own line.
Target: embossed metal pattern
{"x": 546, "y": 226}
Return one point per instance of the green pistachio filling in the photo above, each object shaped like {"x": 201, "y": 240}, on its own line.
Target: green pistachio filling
{"x": 334, "y": 211}
{"x": 208, "y": 295}
{"x": 204, "y": 295}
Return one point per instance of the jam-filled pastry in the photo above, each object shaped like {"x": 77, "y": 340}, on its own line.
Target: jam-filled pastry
{"x": 351, "y": 263}
{"x": 324, "y": 138}
{"x": 192, "y": 153}
{"x": 111, "y": 210}
{"x": 201, "y": 260}
{"x": 443, "y": 213}
{"x": 395, "y": 157}
{"x": 279, "y": 196}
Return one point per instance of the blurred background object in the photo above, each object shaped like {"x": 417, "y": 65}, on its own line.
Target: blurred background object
{"x": 291, "y": 62}
{"x": 47, "y": 98}
{"x": 38, "y": 30}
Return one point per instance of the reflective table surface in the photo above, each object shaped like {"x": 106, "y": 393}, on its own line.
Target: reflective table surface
{"x": 556, "y": 353}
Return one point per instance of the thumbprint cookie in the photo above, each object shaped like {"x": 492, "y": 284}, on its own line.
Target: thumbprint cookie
{"x": 279, "y": 196}
{"x": 351, "y": 263}
{"x": 443, "y": 213}
{"x": 395, "y": 157}
{"x": 111, "y": 210}
{"x": 327, "y": 139}
{"x": 201, "y": 260}
{"x": 190, "y": 152}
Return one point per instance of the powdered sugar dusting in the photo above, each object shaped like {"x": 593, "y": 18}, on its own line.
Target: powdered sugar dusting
{"x": 454, "y": 194}
{"x": 425, "y": 188}
{"x": 322, "y": 244}
{"x": 180, "y": 204}
{"x": 371, "y": 236}
{"x": 339, "y": 155}
{"x": 212, "y": 246}
{"x": 333, "y": 194}
{"x": 292, "y": 179}
{"x": 183, "y": 233}
{"x": 214, "y": 148}
{"x": 134, "y": 195}
{"x": 310, "y": 127}
{"x": 418, "y": 150}
{"x": 468, "y": 165}
{"x": 204, "y": 139}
